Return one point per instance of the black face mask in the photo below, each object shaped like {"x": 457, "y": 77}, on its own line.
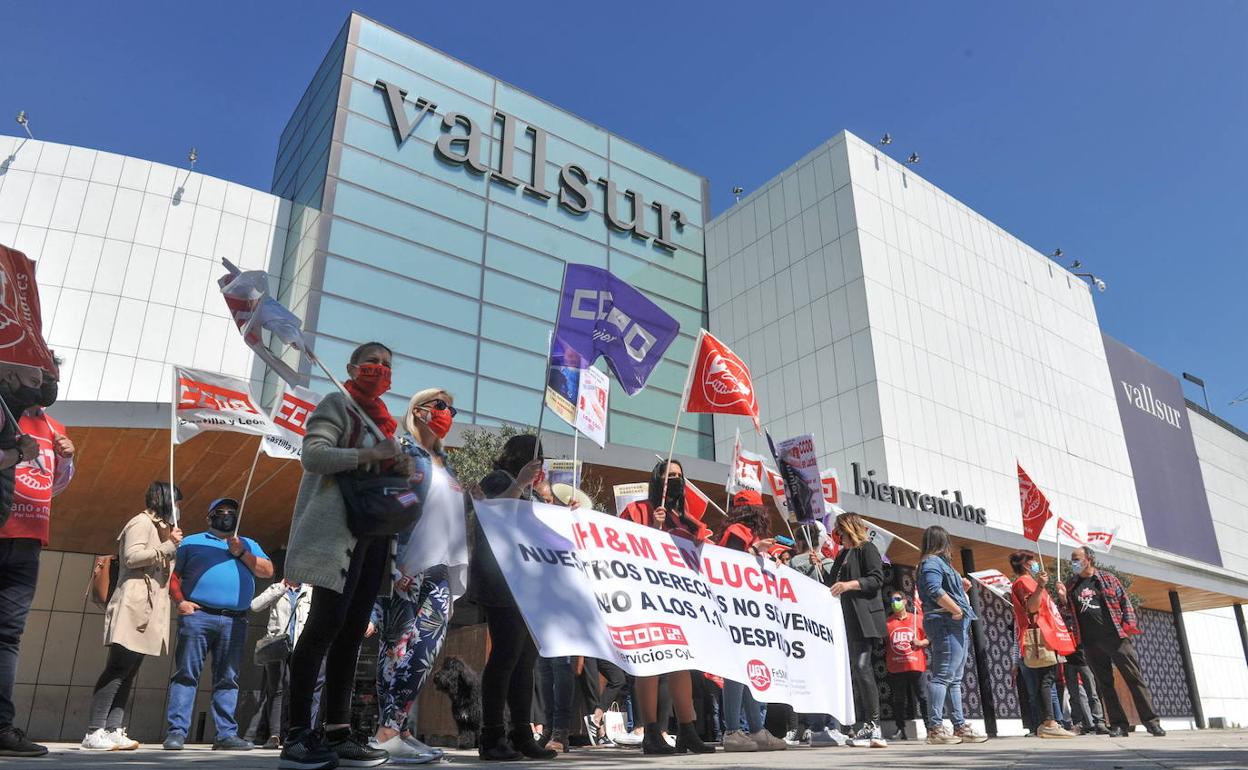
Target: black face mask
{"x": 223, "y": 522}
{"x": 676, "y": 493}
{"x": 48, "y": 390}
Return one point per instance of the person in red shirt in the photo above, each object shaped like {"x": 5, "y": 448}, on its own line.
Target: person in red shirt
{"x": 1034, "y": 608}
{"x": 906, "y": 662}
{"x": 35, "y": 464}
{"x": 668, "y": 514}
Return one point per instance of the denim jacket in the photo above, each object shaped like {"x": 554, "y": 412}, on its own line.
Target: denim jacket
{"x": 936, "y": 577}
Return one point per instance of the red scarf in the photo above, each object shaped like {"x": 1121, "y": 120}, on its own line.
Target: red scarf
{"x": 374, "y": 407}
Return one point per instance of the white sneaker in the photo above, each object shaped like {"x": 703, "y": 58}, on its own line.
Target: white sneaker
{"x": 877, "y": 738}
{"x": 629, "y": 739}
{"x": 401, "y": 752}
{"x": 122, "y": 741}
{"x": 422, "y": 746}
{"x": 98, "y": 740}
{"x": 828, "y": 736}
{"x": 791, "y": 739}
{"x": 866, "y": 737}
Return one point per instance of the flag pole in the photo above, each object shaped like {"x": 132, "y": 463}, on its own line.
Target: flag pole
{"x": 1057, "y": 542}
{"x": 576, "y": 475}
{"x": 173, "y": 435}
{"x": 541, "y": 410}
{"x": 680, "y": 408}
{"x": 242, "y": 504}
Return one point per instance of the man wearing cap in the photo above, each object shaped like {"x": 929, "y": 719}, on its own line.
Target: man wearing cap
{"x": 214, "y": 583}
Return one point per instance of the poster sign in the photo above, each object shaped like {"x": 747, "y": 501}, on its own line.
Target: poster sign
{"x": 653, "y": 603}
{"x": 994, "y": 580}
{"x": 799, "y": 467}
{"x": 626, "y": 494}
{"x": 591, "y": 409}
{"x": 560, "y": 471}
{"x": 290, "y": 422}
{"x": 207, "y": 401}
{"x": 831, "y": 490}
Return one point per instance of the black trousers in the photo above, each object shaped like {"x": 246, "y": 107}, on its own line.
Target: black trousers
{"x": 1102, "y": 656}
{"x": 507, "y": 679}
{"x": 611, "y": 692}
{"x": 862, "y": 675}
{"x": 908, "y": 688}
{"x": 332, "y": 635}
{"x": 112, "y": 689}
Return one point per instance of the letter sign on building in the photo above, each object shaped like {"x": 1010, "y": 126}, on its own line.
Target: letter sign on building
{"x": 460, "y": 143}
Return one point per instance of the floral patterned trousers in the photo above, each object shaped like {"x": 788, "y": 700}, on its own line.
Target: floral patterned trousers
{"x": 412, "y": 625}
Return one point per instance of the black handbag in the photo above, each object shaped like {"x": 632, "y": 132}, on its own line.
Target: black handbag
{"x": 378, "y": 505}
{"x": 273, "y": 649}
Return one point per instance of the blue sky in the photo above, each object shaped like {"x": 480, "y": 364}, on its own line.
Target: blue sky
{"x": 1113, "y": 130}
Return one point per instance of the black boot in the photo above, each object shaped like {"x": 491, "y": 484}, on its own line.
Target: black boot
{"x": 653, "y": 742}
{"x": 495, "y": 747}
{"x": 522, "y": 739}
{"x": 689, "y": 740}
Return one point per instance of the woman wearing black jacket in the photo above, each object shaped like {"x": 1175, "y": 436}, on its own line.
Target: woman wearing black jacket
{"x": 857, "y": 576}
{"x": 507, "y": 679}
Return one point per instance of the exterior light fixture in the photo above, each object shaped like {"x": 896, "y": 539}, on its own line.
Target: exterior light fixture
{"x": 913, "y": 159}
{"x": 1097, "y": 282}
{"x": 885, "y": 140}
{"x": 24, "y": 122}
{"x": 193, "y": 156}
{"x": 736, "y": 192}
{"x": 1200, "y": 383}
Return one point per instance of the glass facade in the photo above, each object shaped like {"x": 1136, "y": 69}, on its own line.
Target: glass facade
{"x": 457, "y": 270}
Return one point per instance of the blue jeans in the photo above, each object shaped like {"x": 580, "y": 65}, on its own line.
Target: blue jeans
{"x": 737, "y": 697}
{"x": 947, "y": 662}
{"x": 201, "y": 634}
{"x": 555, "y": 677}
{"x": 19, "y": 569}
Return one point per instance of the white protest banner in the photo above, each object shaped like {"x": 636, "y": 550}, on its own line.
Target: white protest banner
{"x": 629, "y": 493}
{"x": 653, "y": 603}
{"x": 210, "y": 401}
{"x": 290, "y": 422}
{"x": 799, "y": 466}
{"x": 591, "y": 409}
{"x": 1072, "y": 530}
{"x": 995, "y": 581}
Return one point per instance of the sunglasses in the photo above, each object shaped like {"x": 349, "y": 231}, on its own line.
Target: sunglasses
{"x": 440, "y": 405}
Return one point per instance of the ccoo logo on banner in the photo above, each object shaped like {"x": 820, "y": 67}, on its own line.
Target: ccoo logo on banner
{"x": 653, "y": 603}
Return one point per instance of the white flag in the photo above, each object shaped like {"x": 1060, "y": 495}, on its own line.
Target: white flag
{"x": 832, "y": 492}
{"x": 881, "y": 537}
{"x": 1073, "y": 531}
{"x": 1102, "y": 538}
{"x": 207, "y": 401}
{"x": 290, "y": 422}
{"x": 995, "y": 581}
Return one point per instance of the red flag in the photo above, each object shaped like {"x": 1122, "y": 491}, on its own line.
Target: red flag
{"x": 719, "y": 381}
{"x": 21, "y": 323}
{"x": 696, "y": 502}
{"x": 1035, "y": 506}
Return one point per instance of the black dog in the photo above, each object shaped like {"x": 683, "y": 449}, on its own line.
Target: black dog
{"x": 463, "y": 686}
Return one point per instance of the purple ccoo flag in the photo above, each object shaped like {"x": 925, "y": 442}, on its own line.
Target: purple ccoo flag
{"x": 600, "y": 314}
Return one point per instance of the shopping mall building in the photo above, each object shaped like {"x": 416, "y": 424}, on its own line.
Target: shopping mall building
{"x": 421, "y": 202}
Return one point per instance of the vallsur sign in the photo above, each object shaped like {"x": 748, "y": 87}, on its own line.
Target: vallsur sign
{"x": 460, "y": 143}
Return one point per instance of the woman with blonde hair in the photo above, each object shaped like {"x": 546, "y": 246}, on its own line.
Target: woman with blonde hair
{"x": 857, "y": 576}
{"x": 430, "y": 573}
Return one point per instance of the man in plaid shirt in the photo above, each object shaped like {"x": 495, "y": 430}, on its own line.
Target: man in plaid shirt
{"x": 1105, "y": 620}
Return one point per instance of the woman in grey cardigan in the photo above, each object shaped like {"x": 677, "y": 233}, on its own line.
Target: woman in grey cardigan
{"x": 346, "y": 573}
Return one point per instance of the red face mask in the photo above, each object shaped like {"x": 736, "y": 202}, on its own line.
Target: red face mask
{"x": 439, "y": 421}
{"x": 372, "y": 380}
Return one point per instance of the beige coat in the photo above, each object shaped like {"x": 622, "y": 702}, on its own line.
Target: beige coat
{"x": 137, "y": 617}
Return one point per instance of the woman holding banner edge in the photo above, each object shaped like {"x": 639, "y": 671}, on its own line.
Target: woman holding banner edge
{"x": 668, "y": 515}
{"x": 857, "y": 577}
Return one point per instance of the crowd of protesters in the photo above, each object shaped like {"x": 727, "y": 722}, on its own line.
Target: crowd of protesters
{"x": 339, "y": 588}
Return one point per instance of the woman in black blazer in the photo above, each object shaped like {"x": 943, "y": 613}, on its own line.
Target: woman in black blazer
{"x": 857, "y": 576}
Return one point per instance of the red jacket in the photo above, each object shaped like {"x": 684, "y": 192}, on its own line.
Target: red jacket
{"x": 1048, "y": 619}
{"x": 641, "y": 512}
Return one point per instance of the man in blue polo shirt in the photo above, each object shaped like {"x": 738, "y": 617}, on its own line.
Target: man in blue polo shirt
{"x": 215, "y": 581}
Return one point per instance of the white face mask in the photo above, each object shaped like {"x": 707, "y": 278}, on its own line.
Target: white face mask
{"x": 1076, "y": 565}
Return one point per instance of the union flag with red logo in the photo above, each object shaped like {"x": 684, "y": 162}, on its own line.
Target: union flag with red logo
{"x": 719, "y": 381}
{"x": 290, "y": 422}
{"x": 21, "y": 324}
{"x": 1036, "y": 512}
{"x": 206, "y": 401}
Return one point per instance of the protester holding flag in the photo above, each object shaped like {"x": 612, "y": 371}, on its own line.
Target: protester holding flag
{"x": 1035, "y": 610}
{"x": 136, "y": 620}
{"x": 747, "y": 530}
{"x": 1105, "y": 622}
{"x": 346, "y": 573}
{"x": 668, "y": 514}
{"x": 947, "y": 617}
{"x": 431, "y": 572}
{"x": 857, "y": 576}
{"x": 906, "y": 663}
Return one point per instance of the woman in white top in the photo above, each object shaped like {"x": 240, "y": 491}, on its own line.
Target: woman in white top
{"x": 431, "y": 569}
{"x": 287, "y": 603}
